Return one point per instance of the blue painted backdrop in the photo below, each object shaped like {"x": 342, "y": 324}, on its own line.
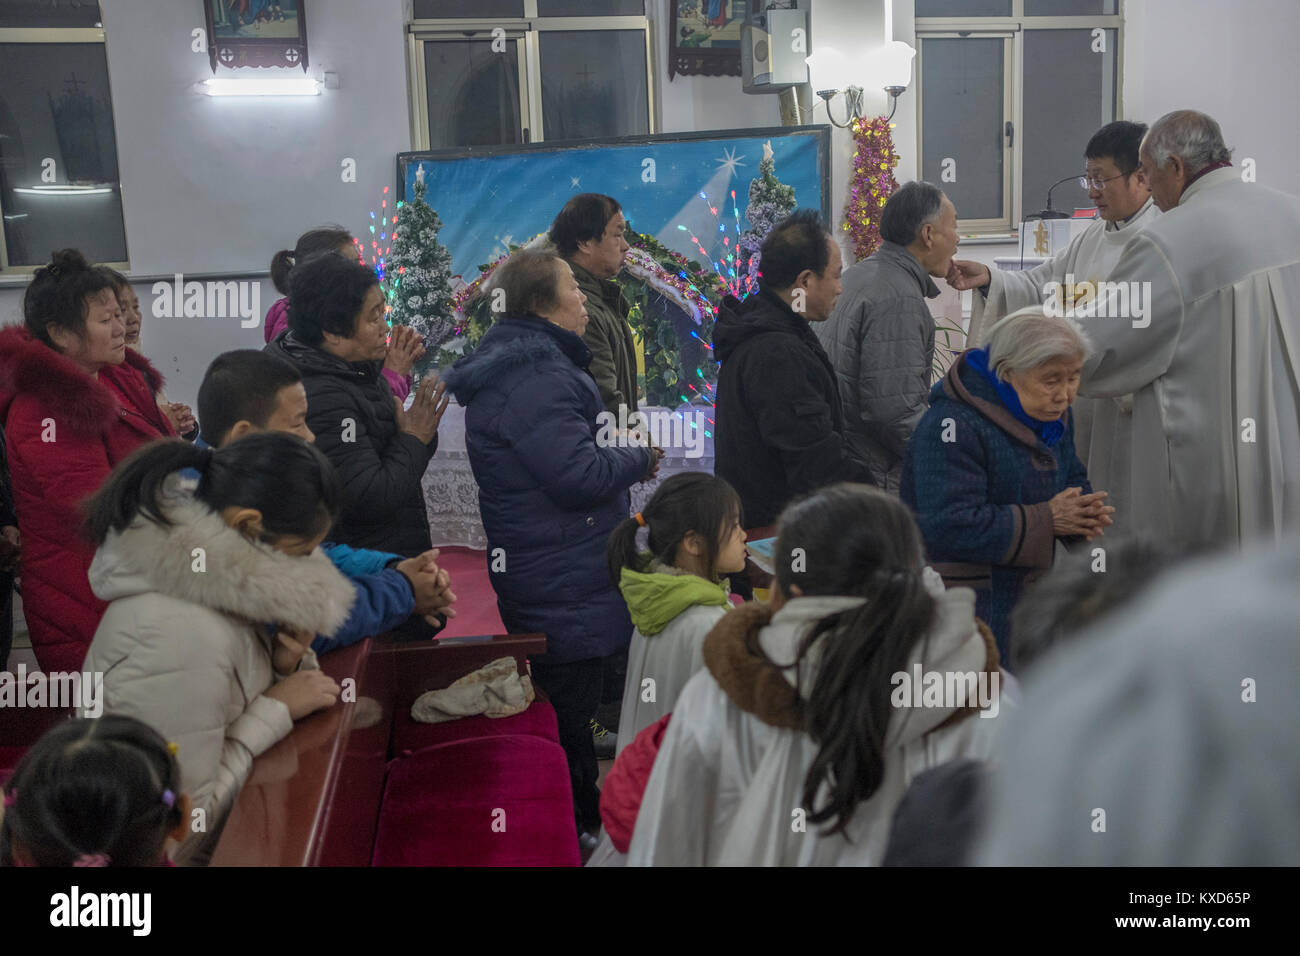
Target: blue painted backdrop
{"x": 488, "y": 201}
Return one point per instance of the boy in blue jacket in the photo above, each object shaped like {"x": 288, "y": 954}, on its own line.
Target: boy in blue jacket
{"x": 247, "y": 391}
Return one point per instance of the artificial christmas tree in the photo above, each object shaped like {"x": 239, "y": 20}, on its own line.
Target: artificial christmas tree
{"x": 420, "y": 269}
{"x": 770, "y": 201}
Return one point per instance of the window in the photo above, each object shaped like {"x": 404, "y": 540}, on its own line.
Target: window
{"x": 59, "y": 181}
{"x": 1010, "y": 93}
{"x": 501, "y": 72}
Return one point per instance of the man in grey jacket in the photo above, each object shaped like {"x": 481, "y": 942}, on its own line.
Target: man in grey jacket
{"x": 881, "y": 336}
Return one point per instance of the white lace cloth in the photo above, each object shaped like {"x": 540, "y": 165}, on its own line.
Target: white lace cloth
{"x": 451, "y": 494}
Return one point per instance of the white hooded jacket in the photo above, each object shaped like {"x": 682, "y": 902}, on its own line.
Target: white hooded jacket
{"x": 727, "y": 785}
{"x": 184, "y": 646}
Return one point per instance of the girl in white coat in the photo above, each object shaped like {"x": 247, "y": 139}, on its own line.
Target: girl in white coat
{"x": 675, "y": 592}
{"x": 792, "y": 746}
{"x": 192, "y": 578}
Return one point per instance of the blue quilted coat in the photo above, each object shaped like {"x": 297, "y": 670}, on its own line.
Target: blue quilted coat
{"x": 548, "y": 494}
{"x": 979, "y": 481}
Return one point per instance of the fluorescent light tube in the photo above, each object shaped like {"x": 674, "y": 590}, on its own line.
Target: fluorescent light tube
{"x": 261, "y": 86}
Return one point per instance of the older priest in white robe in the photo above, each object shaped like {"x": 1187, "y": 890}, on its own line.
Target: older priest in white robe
{"x": 1212, "y": 353}
{"x": 1117, "y": 187}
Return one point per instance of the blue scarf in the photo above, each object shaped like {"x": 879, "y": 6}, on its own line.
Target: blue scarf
{"x": 1049, "y": 433}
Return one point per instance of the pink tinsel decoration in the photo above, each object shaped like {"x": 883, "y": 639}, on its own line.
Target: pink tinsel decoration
{"x": 872, "y": 183}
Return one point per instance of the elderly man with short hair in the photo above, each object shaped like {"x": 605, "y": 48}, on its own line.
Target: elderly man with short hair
{"x": 1209, "y": 346}
{"x": 881, "y": 336}
{"x": 991, "y": 470}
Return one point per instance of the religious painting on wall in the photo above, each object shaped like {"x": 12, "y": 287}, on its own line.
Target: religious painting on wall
{"x": 256, "y": 33}
{"x": 704, "y": 37}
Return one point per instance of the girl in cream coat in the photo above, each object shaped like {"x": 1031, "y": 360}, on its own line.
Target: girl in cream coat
{"x": 675, "y": 592}
{"x": 198, "y": 585}
{"x": 795, "y": 743}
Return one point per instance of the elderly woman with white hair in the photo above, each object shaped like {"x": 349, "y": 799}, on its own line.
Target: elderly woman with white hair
{"x": 991, "y": 470}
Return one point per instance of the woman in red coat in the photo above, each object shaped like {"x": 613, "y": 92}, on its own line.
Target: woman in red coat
{"x": 74, "y": 401}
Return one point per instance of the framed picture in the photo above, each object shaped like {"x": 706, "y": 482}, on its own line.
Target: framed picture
{"x": 256, "y": 33}
{"x": 704, "y": 36}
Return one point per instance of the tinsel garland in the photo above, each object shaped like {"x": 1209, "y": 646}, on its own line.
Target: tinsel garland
{"x": 872, "y": 183}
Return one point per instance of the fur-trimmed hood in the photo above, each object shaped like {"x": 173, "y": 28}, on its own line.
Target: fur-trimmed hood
{"x": 241, "y": 578}
{"x": 740, "y": 649}
{"x": 513, "y": 347}
{"x": 77, "y": 401}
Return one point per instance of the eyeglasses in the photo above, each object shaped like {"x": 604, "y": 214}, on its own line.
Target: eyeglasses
{"x": 1092, "y": 182}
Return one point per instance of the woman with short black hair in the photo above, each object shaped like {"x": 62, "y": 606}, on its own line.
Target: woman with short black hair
{"x": 337, "y": 339}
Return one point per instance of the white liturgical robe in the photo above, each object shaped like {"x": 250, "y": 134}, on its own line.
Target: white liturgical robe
{"x": 1213, "y": 366}
{"x": 1102, "y": 427}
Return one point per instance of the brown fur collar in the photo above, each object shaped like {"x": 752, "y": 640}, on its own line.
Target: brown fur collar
{"x": 28, "y": 366}
{"x": 758, "y": 687}
{"x": 992, "y": 663}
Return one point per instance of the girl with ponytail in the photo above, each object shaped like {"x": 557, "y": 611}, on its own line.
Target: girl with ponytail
{"x": 675, "y": 590}
{"x": 94, "y": 792}
{"x": 188, "y": 575}
{"x": 792, "y": 746}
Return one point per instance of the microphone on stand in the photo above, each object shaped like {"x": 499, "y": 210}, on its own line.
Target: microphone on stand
{"x": 1049, "y": 212}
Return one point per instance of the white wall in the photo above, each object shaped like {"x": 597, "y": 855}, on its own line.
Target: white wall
{"x": 1232, "y": 59}
{"x": 216, "y": 186}
{"x": 690, "y": 103}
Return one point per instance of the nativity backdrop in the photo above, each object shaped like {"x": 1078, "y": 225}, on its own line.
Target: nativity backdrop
{"x": 697, "y": 206}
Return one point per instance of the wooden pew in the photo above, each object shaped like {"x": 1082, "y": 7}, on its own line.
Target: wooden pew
{"x": 314, "y": 798}
{"x": 20, "y": 727}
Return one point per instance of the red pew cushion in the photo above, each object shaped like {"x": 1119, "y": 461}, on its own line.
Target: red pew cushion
{"x": 486, "y": 801}
{"x": 411, "y": 735}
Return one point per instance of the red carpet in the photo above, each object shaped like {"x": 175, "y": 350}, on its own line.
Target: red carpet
{"x": 476, "y": 602}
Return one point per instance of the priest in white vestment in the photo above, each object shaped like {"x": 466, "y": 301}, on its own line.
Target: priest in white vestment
{"x": 1208, "y": 345}
{"x": 1117, "y": 187}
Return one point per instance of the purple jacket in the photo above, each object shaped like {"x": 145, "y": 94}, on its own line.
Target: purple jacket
{"x": 277, "y": 320}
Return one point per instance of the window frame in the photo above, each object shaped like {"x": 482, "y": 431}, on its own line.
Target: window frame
{"x": 38, "y": 35}
{"x": 526, "y": 33}
{"x": 1013, "y": 27}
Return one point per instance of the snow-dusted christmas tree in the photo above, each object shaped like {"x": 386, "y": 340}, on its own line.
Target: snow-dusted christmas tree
{"x": 421, "y": 270}
{"x": 770, "y": 201}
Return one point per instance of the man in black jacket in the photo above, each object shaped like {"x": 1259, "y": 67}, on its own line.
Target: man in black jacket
{"x": 780, "y": 425}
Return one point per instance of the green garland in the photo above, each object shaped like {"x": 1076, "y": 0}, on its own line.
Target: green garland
{"x": 666, "y": 382}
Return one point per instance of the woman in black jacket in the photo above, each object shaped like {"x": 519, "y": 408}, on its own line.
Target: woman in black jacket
{"x": 336, "y": 338}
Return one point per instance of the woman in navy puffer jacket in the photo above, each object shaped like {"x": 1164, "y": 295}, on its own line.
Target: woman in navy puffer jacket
{"x": 549, "y": 494}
